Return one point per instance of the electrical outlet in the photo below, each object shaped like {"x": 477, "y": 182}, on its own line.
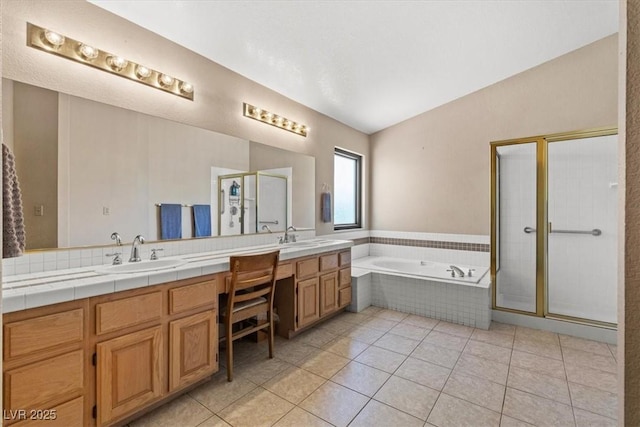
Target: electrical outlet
{"x": 38, "y": 210}
{"x": 106, "y": 210}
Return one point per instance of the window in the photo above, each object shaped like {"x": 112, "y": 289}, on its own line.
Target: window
{"x": 347, "y": 184}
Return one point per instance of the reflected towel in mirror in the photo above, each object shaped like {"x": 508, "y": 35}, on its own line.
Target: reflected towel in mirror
{"x": 202, "y": 220}
{"x": 170, "y": 221}
{"x": 325, "y": 204}
{"x": 13, "y": 235}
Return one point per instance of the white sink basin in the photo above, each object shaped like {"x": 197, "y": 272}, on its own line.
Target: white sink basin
{"x": 139, "y": 267}
{"x": 302, "y": 244}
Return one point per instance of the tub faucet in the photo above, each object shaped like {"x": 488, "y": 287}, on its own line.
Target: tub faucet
{"x": 135, "y": 249}
{"x": 454, "y": 270}
{"x": 266, "y": 227}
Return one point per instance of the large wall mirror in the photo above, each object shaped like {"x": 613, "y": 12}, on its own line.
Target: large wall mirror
{"x": 87, "y": 169}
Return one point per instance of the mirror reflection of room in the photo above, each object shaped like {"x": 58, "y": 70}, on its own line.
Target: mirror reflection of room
{"x": 87, "y": 169}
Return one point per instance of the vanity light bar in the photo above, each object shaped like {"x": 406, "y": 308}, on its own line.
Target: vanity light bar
{"x": 57, "y": 44}
{"x": 274, "y": 120}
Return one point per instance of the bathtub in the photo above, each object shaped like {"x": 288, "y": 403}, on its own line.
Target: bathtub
{"x": 429, "y": 269}
{"x": 423, "y": 287}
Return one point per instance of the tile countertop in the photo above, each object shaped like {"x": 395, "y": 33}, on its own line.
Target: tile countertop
{"x": 25, "y": 291}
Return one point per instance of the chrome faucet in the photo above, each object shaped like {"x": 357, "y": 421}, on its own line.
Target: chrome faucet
{"x": 135, "y": 249}
{"x": 288, "y": 238}
{"x": 115, "y": 236}
{"x": 454, "y": 270}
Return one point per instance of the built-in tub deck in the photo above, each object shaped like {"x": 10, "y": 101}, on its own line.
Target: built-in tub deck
{"x": 423, "y": 287}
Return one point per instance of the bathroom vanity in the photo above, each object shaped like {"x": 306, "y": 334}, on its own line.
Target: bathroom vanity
{"x": 104, "y": 359}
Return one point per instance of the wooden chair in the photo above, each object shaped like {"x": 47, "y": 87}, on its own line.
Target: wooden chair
{"x": 253, "y": 279}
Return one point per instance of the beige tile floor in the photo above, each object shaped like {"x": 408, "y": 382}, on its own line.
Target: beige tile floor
{"x": 385, "y": 368}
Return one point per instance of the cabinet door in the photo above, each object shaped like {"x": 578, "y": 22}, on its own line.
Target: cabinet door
{"x": 193, "y": 349}
{"x": 328, "y": 293}
{"x": 308, "y": 302}
{"x": 129, "y": 373}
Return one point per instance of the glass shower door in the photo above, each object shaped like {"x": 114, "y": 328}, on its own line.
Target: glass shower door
{"x": 515, "y": 227}
{"x": 582, "y": 239}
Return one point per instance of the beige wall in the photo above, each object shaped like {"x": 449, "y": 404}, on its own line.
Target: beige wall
{"x": 432, "y": 172}
{"x": 35, "y": 145}
{"x": 629, "y": 253}
{"x": 219, "y": 92}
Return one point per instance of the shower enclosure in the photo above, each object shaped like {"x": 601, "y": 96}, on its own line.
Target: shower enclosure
{"x": 554, "y": 226}
{"x": 249, "y": 201}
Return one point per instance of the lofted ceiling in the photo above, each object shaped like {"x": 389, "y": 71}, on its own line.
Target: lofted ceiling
{"x": 372, "y": 64}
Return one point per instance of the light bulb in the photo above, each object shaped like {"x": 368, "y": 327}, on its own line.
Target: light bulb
{"x": 117, "y": 63}
{"x": 165, "y": 80}
{"x": 142, "y": 72}
{"x": 88, "y": 52}
{"x": 186, "y": 87}
{"x": 54, "y": 39}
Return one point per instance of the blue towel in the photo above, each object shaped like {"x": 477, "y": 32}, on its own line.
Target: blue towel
{"x": 325, "y": 206}
{"x": 170, "y": 221}
{"x": 202, "y": 220}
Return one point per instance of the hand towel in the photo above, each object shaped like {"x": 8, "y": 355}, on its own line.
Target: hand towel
{"x": 13, "y": 234}
{"x": 170, "y": 221}
{"x": 325, "y": 206}
{"x": 202, "y": 220}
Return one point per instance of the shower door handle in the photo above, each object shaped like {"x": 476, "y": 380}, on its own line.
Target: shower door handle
{"x": 529, "y": 230}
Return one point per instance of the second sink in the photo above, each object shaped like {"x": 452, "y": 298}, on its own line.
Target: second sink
{"x": 139, "y": 267}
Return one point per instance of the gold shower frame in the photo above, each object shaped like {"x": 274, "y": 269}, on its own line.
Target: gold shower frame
{"x": 542, "y": 142}
{"x": 242, "y": 176}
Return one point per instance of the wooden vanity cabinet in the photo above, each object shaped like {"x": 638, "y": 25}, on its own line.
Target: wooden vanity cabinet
{"x": 321, "y": 287}
{"x": 44, "y": 366}
{"x": 344, "y": 279}
{"x": 100, "y": 361}
{"x": 151, "y": 343}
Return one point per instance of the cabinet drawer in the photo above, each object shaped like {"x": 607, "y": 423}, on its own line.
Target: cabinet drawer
{"x": 192, "y": 296}
{"x": 120, "y": 314}
{"x": 284, "y": 270}
{"x": 40, "y": 333}
{"x": 345, "y": 277}
{"x": 38, "y": 385}
{"x": 64, "y": 415}
{"x": 345, "y": 258}
{"x": 344, "y": 297}
{"x": 328, "y": 262}
{"x": 306, "y": 268}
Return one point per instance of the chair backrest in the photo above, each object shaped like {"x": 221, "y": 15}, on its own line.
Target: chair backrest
{"x": 255, "y": 275}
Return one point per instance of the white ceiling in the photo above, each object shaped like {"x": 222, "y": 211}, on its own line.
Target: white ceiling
{"x": 372, "y": 64}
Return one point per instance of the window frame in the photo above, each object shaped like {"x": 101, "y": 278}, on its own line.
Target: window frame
{"x": 358, "y": 191}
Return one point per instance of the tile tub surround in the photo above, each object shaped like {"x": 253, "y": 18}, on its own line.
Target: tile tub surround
{"x": 44, "y": 288}
{"x": 441, "y": 247}
{"x": 455, "y": 302}
{"x": 455, "y": 375}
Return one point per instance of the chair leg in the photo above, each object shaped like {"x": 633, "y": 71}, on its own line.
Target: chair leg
{"x": 271, "y": 335}
{"x": 229, "y": 353}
